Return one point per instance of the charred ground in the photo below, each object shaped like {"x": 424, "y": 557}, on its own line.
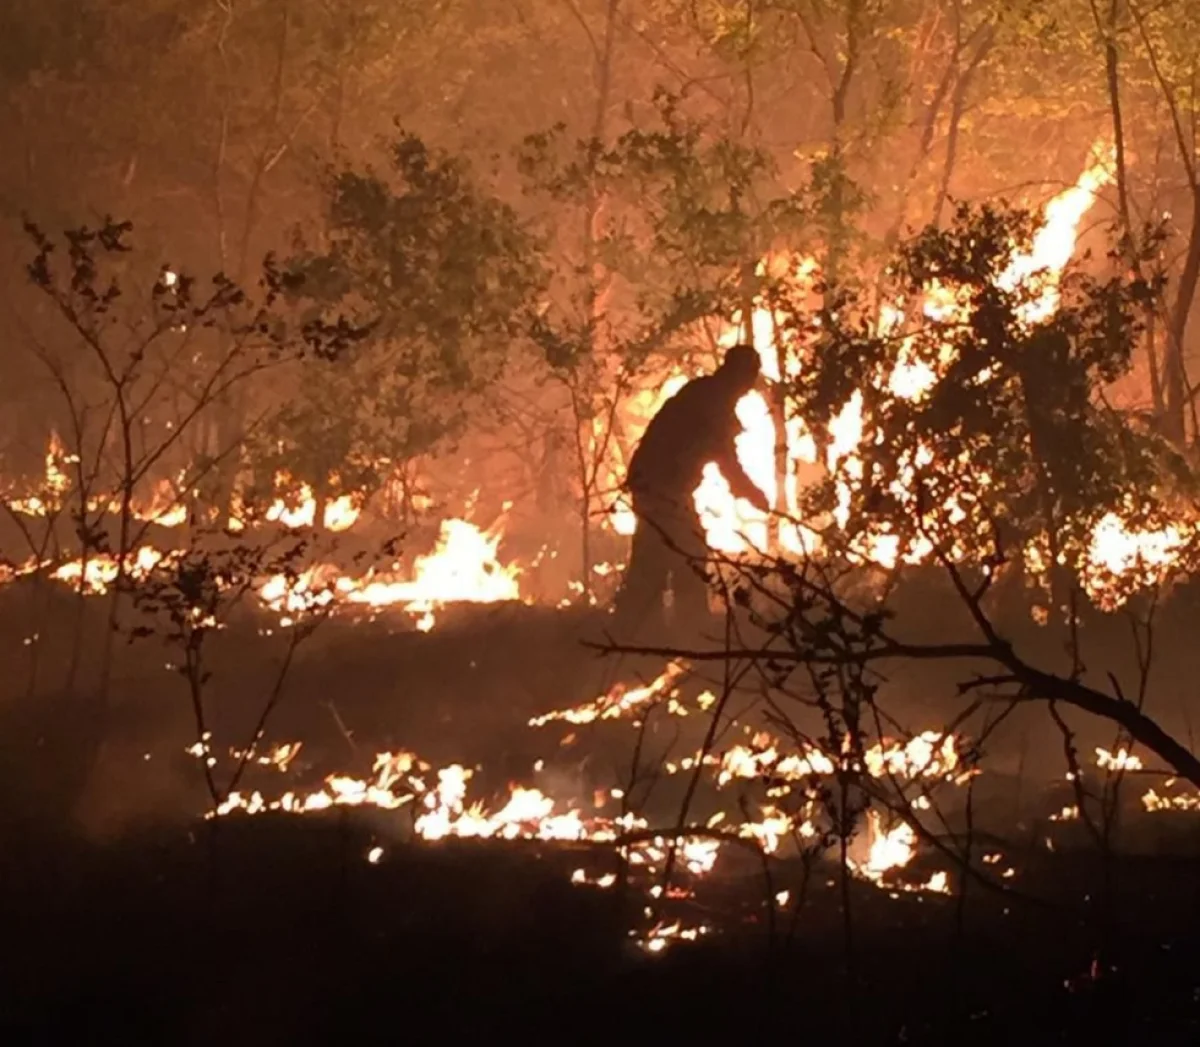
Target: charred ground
{"x": 130, "y": 916}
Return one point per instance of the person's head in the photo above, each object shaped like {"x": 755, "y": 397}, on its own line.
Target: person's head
{"x": 740, "y": 368}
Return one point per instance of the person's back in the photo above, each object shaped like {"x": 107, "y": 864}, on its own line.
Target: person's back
{"x": 691, "y": 429}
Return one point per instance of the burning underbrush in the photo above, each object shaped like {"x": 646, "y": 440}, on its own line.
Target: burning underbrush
{"x": 294, "y": 575}
{"x": 609, "y": 815}
{"x": 669, "y": 794}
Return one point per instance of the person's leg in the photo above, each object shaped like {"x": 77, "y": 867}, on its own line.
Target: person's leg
{"x": 689, "y": 566}
{"x": 639, "y": 600}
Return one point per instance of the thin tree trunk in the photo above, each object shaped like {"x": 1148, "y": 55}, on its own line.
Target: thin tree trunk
{"x": 1175, "y": 378}
{"x": 958, "y": 106}
{"x": 596, "y": 290}
{"x": 1176, "y": 394}
{"x": 1112, "y": 71}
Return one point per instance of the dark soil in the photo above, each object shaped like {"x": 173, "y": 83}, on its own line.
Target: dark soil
{"x": 276, "y": 931}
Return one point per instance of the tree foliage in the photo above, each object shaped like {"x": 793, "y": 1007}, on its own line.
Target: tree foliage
{"x": 980, "y": 409}
{"x": 443, "y": 272}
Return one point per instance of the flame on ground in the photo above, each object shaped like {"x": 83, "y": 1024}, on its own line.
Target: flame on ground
{"x": 887, "y": 850}
{"x": 1152, "y": 801}
{"x": 463, "y": 568}
{"x": 299, "y": 508}
{"x": 618, "y": 701}
{"x": 101, "y": 570}
{"x": 401, "y": 780}
{"x": 437, "y": 805}
{"x": 1121, "y": 760}
{"x": 48, "y": 498}
{"x": 928, "y": 755}
{"x": 294, "y": 507}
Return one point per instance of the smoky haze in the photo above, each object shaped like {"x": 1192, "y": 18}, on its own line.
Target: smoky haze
{"x": 332, "y": 328}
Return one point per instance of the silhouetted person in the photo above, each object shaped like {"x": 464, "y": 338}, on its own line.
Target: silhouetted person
{"x": 696, "y": 426}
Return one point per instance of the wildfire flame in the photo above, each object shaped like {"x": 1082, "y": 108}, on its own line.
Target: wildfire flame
{"x": 1152, "y": 801}
{"x": 443, "y": 808}
{"x": 1121, "y": 760}
{"x": 887, "y": 850}
{"x": 300, "y": 509}
{"x": 55, "y": 483}
{"x": 618, "y": 701}
{"x": 462, "y": 569}
{"x": 928, "y": 755}
{"x": 101, "y": 570}
{"x": 1135, "y": 558}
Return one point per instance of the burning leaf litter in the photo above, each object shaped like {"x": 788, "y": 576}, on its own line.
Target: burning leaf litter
{"x": 464, "y": 568}
{"x": 438, "y": 806}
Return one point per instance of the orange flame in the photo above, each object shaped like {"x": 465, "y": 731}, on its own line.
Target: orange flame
{"x": 463, "y": 569}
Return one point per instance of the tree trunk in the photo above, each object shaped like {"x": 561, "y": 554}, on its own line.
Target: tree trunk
{"x": 1112, "y": 72}
{"x": 1174, "y": 373}
{"x": 320, "y": 496}
{"x": 596, "y": 292}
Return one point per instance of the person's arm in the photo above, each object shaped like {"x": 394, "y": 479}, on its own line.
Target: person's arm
{"x": 739, "y": 482}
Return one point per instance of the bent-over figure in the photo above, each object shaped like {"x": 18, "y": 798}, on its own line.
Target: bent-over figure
{"x": 696, "y": 426}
